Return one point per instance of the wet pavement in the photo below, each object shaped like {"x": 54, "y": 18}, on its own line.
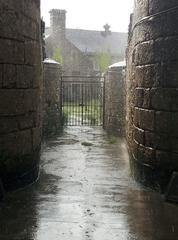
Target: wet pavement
{"x": 85, "y": 192}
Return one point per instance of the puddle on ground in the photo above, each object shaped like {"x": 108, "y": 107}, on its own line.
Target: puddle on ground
{"x": 86, "y": 192}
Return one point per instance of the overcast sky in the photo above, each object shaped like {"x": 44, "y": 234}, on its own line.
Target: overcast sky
{"x": 92, "y": 14}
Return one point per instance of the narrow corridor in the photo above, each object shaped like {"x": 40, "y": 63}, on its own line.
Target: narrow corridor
{"x": 85, "y": 192}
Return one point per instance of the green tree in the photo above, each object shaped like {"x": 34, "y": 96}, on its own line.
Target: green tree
{"x": 103, "y": 60}
{"x": 57, "y": 56}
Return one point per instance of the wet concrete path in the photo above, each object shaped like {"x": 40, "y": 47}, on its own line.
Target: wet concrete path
{"x": 86, "y": 193}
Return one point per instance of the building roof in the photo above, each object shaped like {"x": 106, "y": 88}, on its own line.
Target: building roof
{"x": 91, "y": 41}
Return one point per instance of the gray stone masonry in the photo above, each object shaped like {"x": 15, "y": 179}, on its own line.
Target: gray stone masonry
{"x": 114, "y": 121}
{"x": 51, "y": 97}
{"x": 152, "y": 87}
{"x": 20, "y": 92}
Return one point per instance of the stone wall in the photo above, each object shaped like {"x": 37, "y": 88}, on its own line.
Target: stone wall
{"x": 114, "y": 117}
{"x": 152, "y": 86}
{"x": 51, "y": 97}
{"x": 20, "y": 88}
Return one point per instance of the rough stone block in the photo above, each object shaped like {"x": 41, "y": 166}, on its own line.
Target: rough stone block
{"x": 9, "y": 76}
{"x": 32, "y": 100}
{"x": 9, "y": 15}
{"x": 169, "y": 76}
{"x": 174, "y": 122}
{"x": 174, "y": 144}
{"x": 136, "y": 117}
{"x": 36, "y": 134}
{"x": 30, "y": 28}
{"x": 13, "y": 5}
{"x": 8, "y": 125}
{"x": 174, "y": 160}
{"x": 15, "y": 102}
{"x": 1, "y": 75}
{"x": 38, "y": 118}
{"x": 142, "y": 98}
{"x": 148, "y": 76}
{"x": 139, "y": 135}
{"x": 147, "y": 99}
{"x": 32, "y": 53}
{"x": 26, "y": 76}
{"x": 9, "y": 100}
{"x": 32, "y": 9}
{"x": 166, "y": 49}
{"x": 134, "y": 148}
{"x": 152, "y": 29}
{"x": 157, "y": 141}
{"x": 139, "y": 34}
{"x": 163, "y": 158}
{"x": 156, "y": 6}
{"x": 163, "y": 122}
{"x": 24, "y": 24}
{"x": 139, "y": 97}
{"x": 144, "y": 53}
{"x": 26, "y": 121}
{"x": 17, "y": 143}
{"x": 146, "y": 155}
{"x": 37, "y": 77}
{"x": 164, "y": 99}
{"x": 144, "y": 119}
{"x": 11, "y": 51}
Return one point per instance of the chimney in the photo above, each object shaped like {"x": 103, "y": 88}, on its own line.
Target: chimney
{"x": 58, "y": 21}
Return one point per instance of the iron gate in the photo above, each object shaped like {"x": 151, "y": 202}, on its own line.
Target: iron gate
{"x": 82, "y": 100}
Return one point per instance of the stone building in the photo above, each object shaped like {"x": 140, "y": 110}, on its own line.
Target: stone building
{"x": 80, "y": 49}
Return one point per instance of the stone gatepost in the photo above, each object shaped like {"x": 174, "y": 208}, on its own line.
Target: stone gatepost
{"x": 51, "y": 97}
{"x": 114, "y": 117}
{"x": 20, "y": 92}
{"x": 152, "y": 87}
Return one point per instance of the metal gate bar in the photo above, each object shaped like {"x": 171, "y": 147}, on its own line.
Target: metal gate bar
{"x": 82, "y": 100}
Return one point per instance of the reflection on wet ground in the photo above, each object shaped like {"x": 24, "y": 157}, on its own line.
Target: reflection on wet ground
{"x": 86, "y": 193}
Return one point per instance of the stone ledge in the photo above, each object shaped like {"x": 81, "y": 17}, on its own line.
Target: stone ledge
{"x": 156, "y": 51}
{"x": 144, "y": 119}
{"x": 139, "y": 135}
{"x": 144, "y": 154}
{"x": 154, "y": 29}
